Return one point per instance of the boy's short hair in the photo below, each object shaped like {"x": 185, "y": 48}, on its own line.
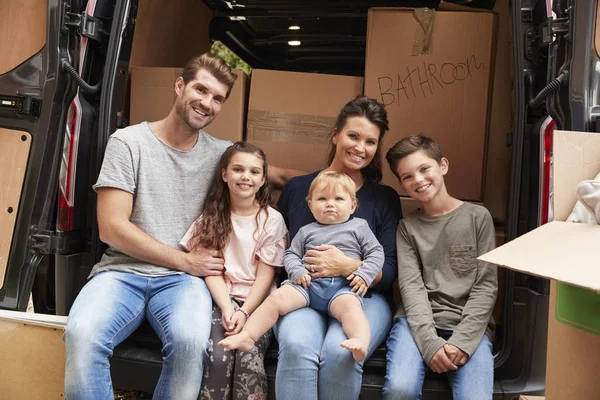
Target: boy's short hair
{"x": 409, "y": 145}
{"x": 332, "y": 178}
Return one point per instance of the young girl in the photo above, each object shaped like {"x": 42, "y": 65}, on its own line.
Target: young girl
{"x": 252, "y": 237}
{"x": 332, "y": 200}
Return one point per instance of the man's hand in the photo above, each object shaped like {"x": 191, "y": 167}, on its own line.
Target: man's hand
{"x": 358, "y": 284}
{"x": 441, "y": 363}
{"x": 456, "y": 355}
{"x": 303, "y": 280}
{"x": 203, "y": 262}
{"x": 238, "y": 320}
{"x": 226, "y": 319}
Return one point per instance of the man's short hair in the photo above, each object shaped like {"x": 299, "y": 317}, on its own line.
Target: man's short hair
{"x": 216, "y": 66}
{"x": 335, "y": 179}
{"x": 409, "y": 145}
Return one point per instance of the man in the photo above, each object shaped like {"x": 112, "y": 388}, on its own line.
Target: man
{"x": 151, "y": 188}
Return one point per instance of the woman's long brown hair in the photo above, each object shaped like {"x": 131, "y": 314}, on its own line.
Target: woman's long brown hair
{"x": 215, "y": 227}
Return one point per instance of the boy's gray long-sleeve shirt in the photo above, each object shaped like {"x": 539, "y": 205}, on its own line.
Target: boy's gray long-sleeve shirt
{"x": 442, "y": 284}
{"x": 353, "y": 237}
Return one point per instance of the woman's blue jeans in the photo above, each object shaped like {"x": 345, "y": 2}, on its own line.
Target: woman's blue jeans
{"x": 312, "y": 365}
{"x": 406, "y": 368}
{"x": 112, "y": 305}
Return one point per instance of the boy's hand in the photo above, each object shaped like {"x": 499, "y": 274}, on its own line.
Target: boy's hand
{"x": 304, "y": 280}
{"x": 358, "y": 284}
{"x": 238, "y": 320}
{"x": 226, "y": 316}
{"x": 441, "y": 363}
{"x": 456, "y": 355}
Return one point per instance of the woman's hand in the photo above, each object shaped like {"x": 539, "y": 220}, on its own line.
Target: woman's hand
{"x": 329, "y": 261}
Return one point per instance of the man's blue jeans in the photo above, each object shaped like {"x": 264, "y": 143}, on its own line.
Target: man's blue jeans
{"x": 312, "y": 365}
{"x": 406, "y": 368}
{"x": 112, "y": 305}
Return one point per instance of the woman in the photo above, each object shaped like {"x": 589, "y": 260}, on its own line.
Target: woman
{"x": 312, "y": 365}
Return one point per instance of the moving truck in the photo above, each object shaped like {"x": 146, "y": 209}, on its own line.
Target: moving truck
{"x": 66, "y": 70}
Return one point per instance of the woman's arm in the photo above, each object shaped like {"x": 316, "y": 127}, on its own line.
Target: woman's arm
{"x": 386, "y": 235}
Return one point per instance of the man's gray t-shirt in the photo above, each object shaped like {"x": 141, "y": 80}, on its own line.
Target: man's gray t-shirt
{"x": 168, "y": 187}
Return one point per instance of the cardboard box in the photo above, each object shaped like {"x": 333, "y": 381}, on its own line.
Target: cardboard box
{"x": 291, "y": 114}
{"x": 528, "y": 397}
{"x": 566, "y": 253}
{"x": 153, "y": 96}
{"x": 33, "y": 356}
{"x": 442, "y": 90}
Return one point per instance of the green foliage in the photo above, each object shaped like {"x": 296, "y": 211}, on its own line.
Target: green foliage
{"x": 219, "y": 49}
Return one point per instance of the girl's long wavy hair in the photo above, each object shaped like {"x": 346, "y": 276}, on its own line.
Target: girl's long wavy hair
{"x": 215, "y": 227}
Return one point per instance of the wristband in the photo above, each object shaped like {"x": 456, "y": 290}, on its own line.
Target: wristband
{"x": 246, "y": 313}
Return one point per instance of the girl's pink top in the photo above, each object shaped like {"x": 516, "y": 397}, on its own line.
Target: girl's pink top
{"x": 247, "y": 245}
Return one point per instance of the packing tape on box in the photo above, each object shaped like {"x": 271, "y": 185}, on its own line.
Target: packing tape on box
{"x": 273, "y": 126}
{"x": 422, "y": 40}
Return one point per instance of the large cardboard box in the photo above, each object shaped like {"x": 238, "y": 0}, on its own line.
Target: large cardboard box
{"x": 291, "y": 114}
{"x": 33, "y": 356}
{"x": 566, "y": 253}
{"x": 153, "y": 96}
{"x": 437, "y": 82}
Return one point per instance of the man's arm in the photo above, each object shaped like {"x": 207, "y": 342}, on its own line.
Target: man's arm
{"x": 116, "y": 229}
{"x": 278, "y": 176}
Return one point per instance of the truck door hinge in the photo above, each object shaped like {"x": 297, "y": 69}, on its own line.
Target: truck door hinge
{"x": 86, "y": 25}
{"x": 55, "y": 242}
{"x": 24, "y": 106}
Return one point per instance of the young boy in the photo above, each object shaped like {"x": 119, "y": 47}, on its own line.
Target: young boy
{"x": 331, "y": 199}
{"x": 445, "y": 319}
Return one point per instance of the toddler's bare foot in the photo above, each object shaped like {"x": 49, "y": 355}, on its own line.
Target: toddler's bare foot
{"x": 357, "y": 347}
{"x": 241, "y": 341}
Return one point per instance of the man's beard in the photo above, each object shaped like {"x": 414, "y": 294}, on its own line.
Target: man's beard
{"x": 185, "y": 113}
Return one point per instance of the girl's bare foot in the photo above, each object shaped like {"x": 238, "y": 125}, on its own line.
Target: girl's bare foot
{"x": 356, "y": 346}
{"x": 241, "y": 341}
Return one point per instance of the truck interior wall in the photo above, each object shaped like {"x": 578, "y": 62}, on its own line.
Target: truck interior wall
{"x": 14, "y": 151}
{"x": 23, "y": 31}
{"x": 597, "y": 31}
{"x": 497, "y": 177}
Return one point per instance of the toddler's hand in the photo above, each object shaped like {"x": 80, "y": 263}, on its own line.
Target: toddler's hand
{"x": 358, "y": 284}
{"x": 238, "y": 320}
{"x": 304, "y": 280}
